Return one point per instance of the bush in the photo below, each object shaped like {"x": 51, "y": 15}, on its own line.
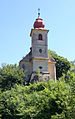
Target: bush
{"x": 10, "y": 75}
{"x": 43, "y": 100}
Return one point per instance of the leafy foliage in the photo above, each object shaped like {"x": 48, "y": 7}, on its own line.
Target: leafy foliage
{"x": 70, "y": 79}
{"x": 62, "y": 64}
{"x": 44, "y": 100}
{"x": 10, "y": 75}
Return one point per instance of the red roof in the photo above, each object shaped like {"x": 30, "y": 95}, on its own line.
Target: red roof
{"x": 39, "y": 24}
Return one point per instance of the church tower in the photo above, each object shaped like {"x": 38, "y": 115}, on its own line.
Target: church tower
{"x": 39, "y": 46}
{"x": 38, "y": 57}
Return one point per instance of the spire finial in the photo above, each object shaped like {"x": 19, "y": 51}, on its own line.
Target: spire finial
{"x": 38, "y": 12}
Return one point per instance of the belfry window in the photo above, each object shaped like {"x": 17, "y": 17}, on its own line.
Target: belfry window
{"x": 40, "y": 37}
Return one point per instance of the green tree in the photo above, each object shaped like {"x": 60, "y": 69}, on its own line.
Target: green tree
{"x": 10, "y": 75}
{"x": 43, "y": 100}
{"x": 62, "y": 64}
{"x": 70, "y": 80}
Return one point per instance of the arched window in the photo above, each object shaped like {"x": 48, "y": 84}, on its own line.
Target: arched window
{"x": 40, "y": 37}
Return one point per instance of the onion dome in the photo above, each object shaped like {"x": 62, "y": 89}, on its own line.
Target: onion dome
{"x": 39, "y": 24}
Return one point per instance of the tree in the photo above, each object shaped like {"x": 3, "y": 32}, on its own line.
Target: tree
{"x": 10, "y": 75}
{"x": 43, "y": 100}
{"x": 62, "y": 64}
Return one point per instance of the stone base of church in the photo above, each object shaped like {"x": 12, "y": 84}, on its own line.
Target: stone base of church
{"x": 39, "y": 77}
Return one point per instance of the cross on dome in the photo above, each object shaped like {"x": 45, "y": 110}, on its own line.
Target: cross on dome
{"x": 39, "y": 24}
{"x": 38, "y": 12}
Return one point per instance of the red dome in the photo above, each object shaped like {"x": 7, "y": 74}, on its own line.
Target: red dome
{"x": 39, "y": 24}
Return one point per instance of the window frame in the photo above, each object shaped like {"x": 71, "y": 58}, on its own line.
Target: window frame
{"x": 40, "y": 37}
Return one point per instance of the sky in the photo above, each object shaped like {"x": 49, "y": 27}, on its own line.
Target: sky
{"x": 16, "y": 21}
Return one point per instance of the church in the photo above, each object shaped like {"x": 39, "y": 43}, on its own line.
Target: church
{"x": 38, "y": 58}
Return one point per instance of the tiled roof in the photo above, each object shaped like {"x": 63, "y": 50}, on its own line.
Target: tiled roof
{"x": 28, "y": 57}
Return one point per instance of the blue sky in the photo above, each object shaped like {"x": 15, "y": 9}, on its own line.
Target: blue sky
{"x": 17, "y": 18}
